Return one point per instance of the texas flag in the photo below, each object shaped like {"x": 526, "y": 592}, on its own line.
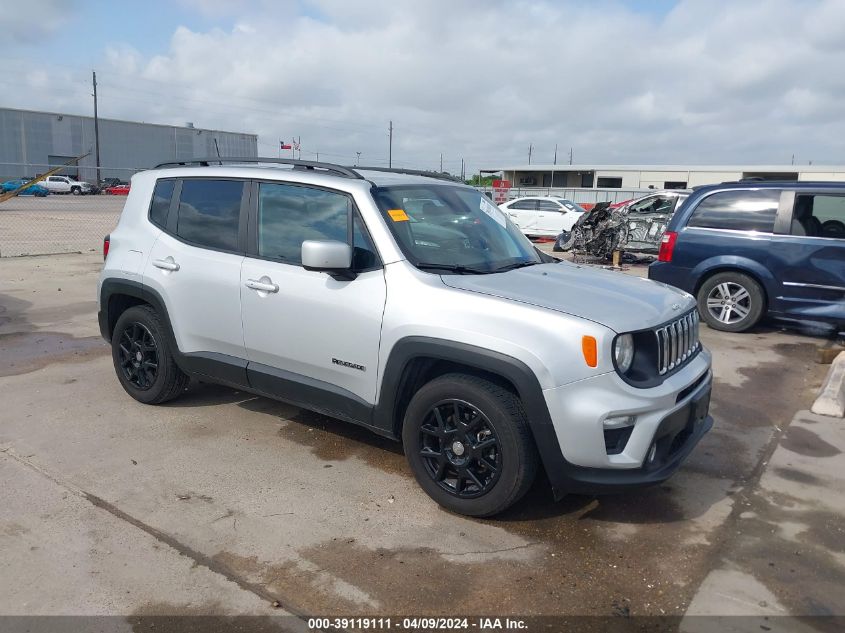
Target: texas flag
{"x": 284, "y": 145}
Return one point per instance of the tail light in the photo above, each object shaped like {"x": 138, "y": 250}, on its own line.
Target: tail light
{"x": 667, "y": 246}
{"x": 106, "y": 241}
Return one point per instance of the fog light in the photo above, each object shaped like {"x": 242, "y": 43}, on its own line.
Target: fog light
{"x": 619, "y": 422}
{"x": 652, "y": 453}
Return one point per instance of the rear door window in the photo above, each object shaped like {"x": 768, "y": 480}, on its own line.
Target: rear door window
{"x": 524, "y": 205}
{"x": 209, "y": 213}
{"x": 738, "y": 211}
{"x": 549, "y": 205}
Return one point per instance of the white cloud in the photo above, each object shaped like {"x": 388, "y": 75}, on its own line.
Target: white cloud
{"x": 31, "y": 23}
{"x": 746, "y": 81}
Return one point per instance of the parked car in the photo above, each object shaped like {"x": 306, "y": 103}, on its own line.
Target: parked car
{"x": 67, "y": 184}
{"x": 648, "y": 217}
{"x": 753, "y": 248}
{"x": 105, "y": 183}
{"x": 542, "y": 217}
{"x": 117, "y": 190}
{"x": 484, "y": 356}
{"x": 33, "y": 190}
{"x": 645, "y": 218}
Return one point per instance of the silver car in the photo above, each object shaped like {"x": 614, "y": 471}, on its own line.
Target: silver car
{"x": 412, "y": 306}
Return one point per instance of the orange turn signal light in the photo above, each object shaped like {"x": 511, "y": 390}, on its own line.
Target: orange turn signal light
{"x": 590, "y": 350}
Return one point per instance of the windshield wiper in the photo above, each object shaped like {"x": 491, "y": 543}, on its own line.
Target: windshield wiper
{"x": 455, "y": 268}
{"x": 515, "y": 265}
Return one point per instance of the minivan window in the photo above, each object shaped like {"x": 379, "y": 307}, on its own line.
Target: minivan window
{"x": 738, "y": 210}
{"x": 819, "y": 216}
{"x": 160, "y": 204}
{"x": 209, "y": 213}
{"x": 290, "y": 214}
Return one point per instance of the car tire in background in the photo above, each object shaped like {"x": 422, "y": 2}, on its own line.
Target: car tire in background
{"x": 561, "y": 240}
{"x": 76, "y": 190}
{"x": 468, "y": 444}
{"x": 731, "y": 302}
{"x": 143, "y": 358}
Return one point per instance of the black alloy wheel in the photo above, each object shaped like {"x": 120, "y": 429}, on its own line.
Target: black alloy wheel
{"x": 460, "y": 449}
{"x": 138, "y": 356}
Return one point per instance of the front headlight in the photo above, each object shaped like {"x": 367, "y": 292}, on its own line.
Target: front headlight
{"x": 623, "y": 352}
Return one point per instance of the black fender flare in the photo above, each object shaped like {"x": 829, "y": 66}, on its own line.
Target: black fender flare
{"x": 485, "y": 360}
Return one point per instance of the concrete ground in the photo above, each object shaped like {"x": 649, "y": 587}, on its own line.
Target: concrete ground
{"x": 223, "y": 502}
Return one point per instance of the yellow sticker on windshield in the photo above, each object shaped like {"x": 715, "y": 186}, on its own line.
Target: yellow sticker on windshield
{"x": 398, "y": 215}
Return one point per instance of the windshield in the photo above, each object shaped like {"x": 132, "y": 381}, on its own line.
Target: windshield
{"x": 443, "y": 228}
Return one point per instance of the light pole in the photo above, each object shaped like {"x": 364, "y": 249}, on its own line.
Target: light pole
{"x": 358, "y": 159}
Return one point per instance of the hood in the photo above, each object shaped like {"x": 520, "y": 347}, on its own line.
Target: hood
{"x": 621, "y": 302}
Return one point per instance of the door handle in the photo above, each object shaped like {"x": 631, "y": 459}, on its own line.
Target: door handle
{"x": 166, "y": 264}
{"x": 265, "y": 284}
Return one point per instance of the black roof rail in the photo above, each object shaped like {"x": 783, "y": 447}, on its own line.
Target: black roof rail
{"x": 340, "y": 170}
{"x": 413, "y": 172}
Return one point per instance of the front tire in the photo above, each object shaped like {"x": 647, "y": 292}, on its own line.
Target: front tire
{"x": 731, "y": 302}
{"x": 468, "y": 444}
{"x": 143, "y": 358}
{"x": 76, "y": 191}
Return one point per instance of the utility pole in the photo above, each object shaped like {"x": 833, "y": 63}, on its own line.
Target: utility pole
{"x": 390, "y": 147}
{"x": 358, "y": 159}
{"x": 299, "y": 146}
{"x": 555, "y": 154}
{"x": 570, "y": 155}
{"x": 96, "y": 128}
{"x": 441, "y": 162}
{"x": 463, "y": 173}
{"x": 793, "y": 160}
{"x": 530, "y": 149}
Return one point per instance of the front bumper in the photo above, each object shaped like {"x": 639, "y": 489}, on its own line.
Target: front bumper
{"x": 670, "y": 419}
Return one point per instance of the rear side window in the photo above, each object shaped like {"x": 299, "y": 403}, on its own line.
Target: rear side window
{"x": 738, "y": 211}
{"x": 160, "y": 204}
{"x": 819, "y": 215}
{"x": 209, "y": 213}
{"x": 524, "y": 205}
{"x": 548, "y": 205}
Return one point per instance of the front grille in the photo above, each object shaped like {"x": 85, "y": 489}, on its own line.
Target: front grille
{"x": 676, "y": 342}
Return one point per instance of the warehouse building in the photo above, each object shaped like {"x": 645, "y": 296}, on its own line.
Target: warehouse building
{"x": 32, "y": 142}
{"x": 656, "y": 176}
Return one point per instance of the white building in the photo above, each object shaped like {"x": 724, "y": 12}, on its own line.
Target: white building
{"x": 656, "y": 176}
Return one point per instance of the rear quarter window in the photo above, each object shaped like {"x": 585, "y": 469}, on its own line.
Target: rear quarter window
{"x": 738, "y": 211}
{"x": 160, "y": 204}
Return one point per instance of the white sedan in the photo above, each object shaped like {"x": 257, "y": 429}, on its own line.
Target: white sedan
{"x": 542, "y": 217}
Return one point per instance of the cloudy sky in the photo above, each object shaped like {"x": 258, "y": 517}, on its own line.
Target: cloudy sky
{"x": 686, "y": 81}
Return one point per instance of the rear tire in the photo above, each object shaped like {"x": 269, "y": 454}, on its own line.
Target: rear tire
{"x": 76, "y": 191}
{"x": 731, "y": 302}
{"x": 143, "y": 358}
{"x": 469, "y": 446}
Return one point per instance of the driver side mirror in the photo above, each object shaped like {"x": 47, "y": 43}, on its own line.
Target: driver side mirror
{"x": 330, "y": 256}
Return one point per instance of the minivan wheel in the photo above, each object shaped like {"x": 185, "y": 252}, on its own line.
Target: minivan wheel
{"x": 469, "y": 446}
{"x": 143, "y": 359}
{"x": 76, "y": 191}
{"x": 731, "y": 302}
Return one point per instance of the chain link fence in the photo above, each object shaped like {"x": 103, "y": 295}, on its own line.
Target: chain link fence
{"x": 61, "y": 221}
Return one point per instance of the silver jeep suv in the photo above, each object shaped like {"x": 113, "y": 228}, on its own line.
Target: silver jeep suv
{"x": 409, "y": 304}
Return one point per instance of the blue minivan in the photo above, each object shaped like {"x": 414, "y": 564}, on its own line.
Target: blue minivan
{"x": 747, "y": 249}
